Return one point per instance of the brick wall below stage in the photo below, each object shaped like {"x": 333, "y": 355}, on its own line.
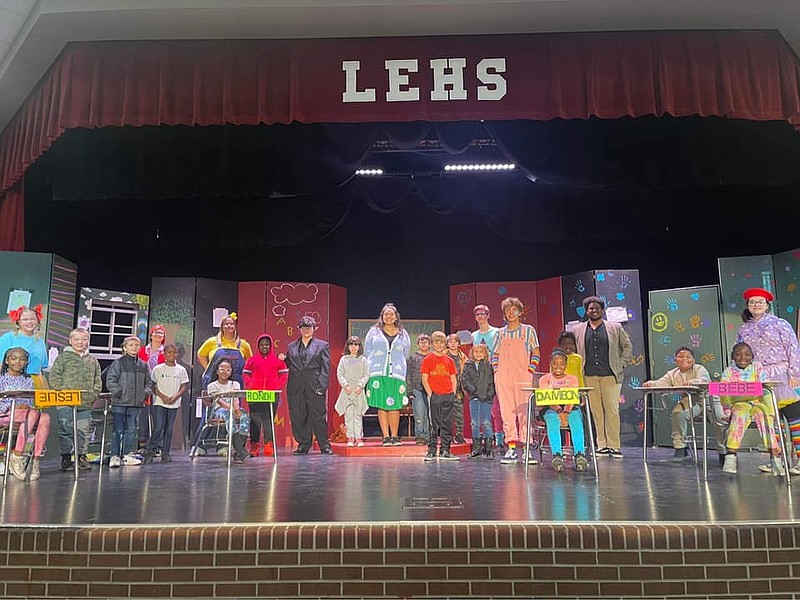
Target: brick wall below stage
{"x": 409, "y": 560}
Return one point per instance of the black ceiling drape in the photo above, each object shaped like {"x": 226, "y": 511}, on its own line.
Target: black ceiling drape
{"x": 291, "y": 184}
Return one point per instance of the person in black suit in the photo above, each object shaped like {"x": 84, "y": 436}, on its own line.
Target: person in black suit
{"x": 309, "y": 362}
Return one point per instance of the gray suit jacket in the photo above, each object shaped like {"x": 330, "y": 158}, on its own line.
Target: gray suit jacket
{"x": 620, "y": 348}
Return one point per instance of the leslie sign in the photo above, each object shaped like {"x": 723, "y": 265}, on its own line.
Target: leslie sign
{"x": 45, "y": 398}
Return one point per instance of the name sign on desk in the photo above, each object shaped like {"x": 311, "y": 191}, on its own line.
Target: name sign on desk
{"x": 45, "y": 398}
{"x": 262, "y": 396}
{"x": 736, "y": 388}
{"x": 555, "y": 397}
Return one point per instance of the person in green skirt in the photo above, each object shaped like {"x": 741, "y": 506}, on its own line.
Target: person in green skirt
{"x": 386, "y": 346}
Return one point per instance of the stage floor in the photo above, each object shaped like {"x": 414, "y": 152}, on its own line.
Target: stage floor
{"x": 318, "y": 488}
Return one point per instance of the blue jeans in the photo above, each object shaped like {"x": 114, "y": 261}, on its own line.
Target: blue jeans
{"x": 163, "y": 421}
{"x": 420, "y": 407}
{"x": 65, "y": 433}
{"x": 575, "y": 421}
{"x": 125, "y": 438}
{"x": 480, "y": 413}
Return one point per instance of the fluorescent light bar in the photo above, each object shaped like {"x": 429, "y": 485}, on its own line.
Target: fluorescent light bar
{"x": 480, "y": 167}
{"x": 369, "y": 172}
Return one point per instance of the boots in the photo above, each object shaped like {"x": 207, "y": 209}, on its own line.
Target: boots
{"x": 269, "y": 449}
{"x": 476, "y": 448}
{"x": 255, "y": 449}
{"x": 488, "y": 452}
{"x": 66, "y": 462}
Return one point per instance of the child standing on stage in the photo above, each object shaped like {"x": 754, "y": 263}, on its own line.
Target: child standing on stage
{"x": 556, "y": 416}
{"x": 76, "y": 369}
{"x": 477, "y": 380}
{"x": 353, "y": 374}
{"x": 745, "y": 409}
{"x": 13, "y": 376}
{"x": 515, "y": 358}
{"x": 129, "y": 382}
{"x": 222, "y": 406}
{"x": 417, "y": 395}
{"x": 460, "y": 359}
{"x": 170, "y": 381}
{"x": 265, "y": 371}
{"x": 440, "y": 380}
{"x": 487, "y": 334}
{"x": 568, "y": 344}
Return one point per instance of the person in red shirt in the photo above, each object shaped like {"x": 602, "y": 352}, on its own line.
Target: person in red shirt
{"x": 264, "y": 371}
{"x": 439, "y": 378}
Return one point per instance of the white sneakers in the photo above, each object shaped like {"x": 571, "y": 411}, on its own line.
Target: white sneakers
{"x": 35, "y": 471}
{"x": 730, "y": 464}
{"x": 510, "y": 457}
{"x": 16, "y": 464}
{"x": 129, "y": 460}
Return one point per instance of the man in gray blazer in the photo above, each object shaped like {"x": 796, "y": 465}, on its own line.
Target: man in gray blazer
{"x": 309, "y": 362}
{"x": 606, "y": 350}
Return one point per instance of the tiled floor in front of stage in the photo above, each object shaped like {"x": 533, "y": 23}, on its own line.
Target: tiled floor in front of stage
{"x": 317, "y": 488}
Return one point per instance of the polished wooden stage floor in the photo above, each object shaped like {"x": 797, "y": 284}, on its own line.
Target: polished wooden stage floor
{"x": 318, "y": 488}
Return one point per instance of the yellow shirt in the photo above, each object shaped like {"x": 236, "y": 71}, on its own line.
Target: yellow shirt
{"x": 210, "y": 346}
{"x": 575, "y": 367}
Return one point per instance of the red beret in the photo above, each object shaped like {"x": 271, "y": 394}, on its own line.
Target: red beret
{"x": 752, "y": 292}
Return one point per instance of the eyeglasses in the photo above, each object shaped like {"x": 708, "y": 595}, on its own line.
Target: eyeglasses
{"x": 756, "y": 302}
{"x": 481, "y": 314}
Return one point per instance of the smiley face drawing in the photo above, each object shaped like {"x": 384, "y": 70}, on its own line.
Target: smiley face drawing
{"x": 659, "y": 322}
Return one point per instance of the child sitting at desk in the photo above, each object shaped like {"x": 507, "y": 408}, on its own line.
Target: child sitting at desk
{"x": 222, "y": 406}
{"x": 747, "y": 408}
{"x": 556, "y": 416}
{"x": 686, "y": 373}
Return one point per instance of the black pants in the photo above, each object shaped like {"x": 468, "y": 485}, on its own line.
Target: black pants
{"x": 442, "y": 408}
{"x": 239, "y": 441}
{"x": 308, "y": 413}
{"x": 163, "y": 422}
{"x": 259, "y": 417}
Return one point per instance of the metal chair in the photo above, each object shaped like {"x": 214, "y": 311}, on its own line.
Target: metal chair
{"x": 210, "y": 431}
{"x": 567, "y": 448}
{"x": 9, "y": 433}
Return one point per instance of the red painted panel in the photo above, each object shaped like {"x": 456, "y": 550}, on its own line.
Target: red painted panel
{"x": 337, "y": 328}
{"x": 462, "y": 301}
{"x": 252, "y": 310}
{"x": 550, "y": 316}
{"x": 286, "y": 302}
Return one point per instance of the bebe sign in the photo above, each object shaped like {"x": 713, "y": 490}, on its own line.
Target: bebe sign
{"x": 446, "y": 80}
{"x": 736, "y": 388}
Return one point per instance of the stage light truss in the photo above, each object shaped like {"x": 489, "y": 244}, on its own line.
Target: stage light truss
{"x": 479, "y": 167}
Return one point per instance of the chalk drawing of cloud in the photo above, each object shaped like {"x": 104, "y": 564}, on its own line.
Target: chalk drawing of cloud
{"x": 295, "y": 293}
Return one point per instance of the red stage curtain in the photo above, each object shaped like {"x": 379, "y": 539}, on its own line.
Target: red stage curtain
{"x": 741, "y": 74}
{"x": 12, "y": 219}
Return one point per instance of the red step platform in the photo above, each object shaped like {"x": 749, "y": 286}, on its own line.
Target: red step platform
{"x": 373, "y": 447}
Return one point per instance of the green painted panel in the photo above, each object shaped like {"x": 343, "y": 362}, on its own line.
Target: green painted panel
{"x": 683, "y": 317}
{"x": 737, "y": 274}
{"x": 787, "y": 285}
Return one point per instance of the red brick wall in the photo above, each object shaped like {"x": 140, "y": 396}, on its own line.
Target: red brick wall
{"x": 420, "y": 560}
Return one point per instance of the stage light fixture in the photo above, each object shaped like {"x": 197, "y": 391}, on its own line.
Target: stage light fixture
{"x": 369, "y": 172}
{"x": 480, "y": 167}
